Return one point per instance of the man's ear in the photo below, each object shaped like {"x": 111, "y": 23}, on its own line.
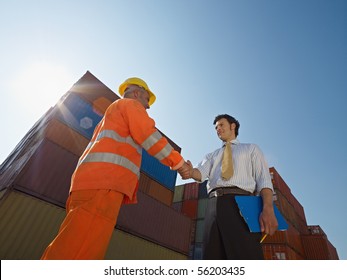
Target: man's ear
{"x": 232, "y": 126}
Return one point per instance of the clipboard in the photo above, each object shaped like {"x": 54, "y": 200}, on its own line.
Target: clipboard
{"x": 250, "y": 209}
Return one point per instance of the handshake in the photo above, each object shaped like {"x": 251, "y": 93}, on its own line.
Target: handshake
{"x": 186, "y": 170}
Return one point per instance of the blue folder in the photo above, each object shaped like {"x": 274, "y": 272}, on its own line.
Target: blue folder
{"x": 250, "y": 209}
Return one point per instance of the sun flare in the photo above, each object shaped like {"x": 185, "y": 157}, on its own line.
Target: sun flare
{"x": 40, "y": 85}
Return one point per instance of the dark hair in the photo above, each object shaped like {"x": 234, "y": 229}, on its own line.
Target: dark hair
{"x": 230, "y": 120}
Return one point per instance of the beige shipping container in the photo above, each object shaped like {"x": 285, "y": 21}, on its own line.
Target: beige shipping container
{"x": 28, "y": 225}
{"x": 124, "y": 246}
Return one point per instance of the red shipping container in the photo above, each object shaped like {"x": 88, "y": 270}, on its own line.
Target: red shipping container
{"x": 191, "y": 191}
{"x": 190, "y": 208}
{"x": 317, "y": 247}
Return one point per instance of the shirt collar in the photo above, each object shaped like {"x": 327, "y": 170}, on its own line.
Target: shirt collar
{"x": 235, "y": 142}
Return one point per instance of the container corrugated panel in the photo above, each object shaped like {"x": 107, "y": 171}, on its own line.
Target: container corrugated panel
{"x": 178, "y": 193}
{"x": 279, "y": 237}
{"x": 199, "y": 232}
{"x": 78, "y": 114}
{"x": 27, "y": 226}
{"x": 299, "y": 210}
{"x": 94, "y": 91}
{"x": 197, "y": 251}
{"x": 161, "y": 193}
{"x": 287, "y": 209}
{"x": 159, "y": 172}
{"x": 66, "y": 137}
{"x": 316, "y": 247}
{"x": 17, "y": 159}
{"x": 10, "y": 173}
{"x": 267, "y": 251}
{"x": 280, "y": 184}
{"x": 293, "y": 255}
{"x": 332, "y": 251}
{"x": 124, "y": 246}
{"x": 155, "y": 190}
{"x": 202, "y": 205}
{"x": 191, "y": 191}
{"x": 177, "y": 206}
{"x": 156, "y": 222}
{"x": 192, "y": 234}
{"x": 191, "y": 251}
{"x": 29, "y": 140}
{"x": 294, "y": 239}
{"x": 302, "y": 227}
{"x": 190, "y": 208}
{"x": 3, "y": 193}
{"x": 47, "y": 174}
{"x": 203, "y": 190}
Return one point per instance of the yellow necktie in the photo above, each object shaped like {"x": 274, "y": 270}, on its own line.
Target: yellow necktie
{"x": 227, "y": 162}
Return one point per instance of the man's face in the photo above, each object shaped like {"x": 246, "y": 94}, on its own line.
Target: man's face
{"x": 138, "y": 93}
{"x": 225, "y": 131}
{"x": 144, "y": 98}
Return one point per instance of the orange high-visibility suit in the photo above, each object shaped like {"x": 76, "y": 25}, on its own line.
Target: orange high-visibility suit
{"x": 106, "y": 176}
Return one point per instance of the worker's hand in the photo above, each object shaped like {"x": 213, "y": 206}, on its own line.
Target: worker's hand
{"x": 268, "y": 221}
{"x": 185, "y": 170}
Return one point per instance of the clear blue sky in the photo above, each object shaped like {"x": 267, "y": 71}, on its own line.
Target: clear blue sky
{"x": 278, "y": 66}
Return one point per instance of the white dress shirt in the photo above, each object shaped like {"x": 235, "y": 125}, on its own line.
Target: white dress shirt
{"x": 251, "y": 172}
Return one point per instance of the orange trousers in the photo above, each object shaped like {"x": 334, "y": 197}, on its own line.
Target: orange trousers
{"x": 88, "y": 226}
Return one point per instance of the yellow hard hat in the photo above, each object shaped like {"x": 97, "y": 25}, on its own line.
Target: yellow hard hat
{"x": 138, "y": 82}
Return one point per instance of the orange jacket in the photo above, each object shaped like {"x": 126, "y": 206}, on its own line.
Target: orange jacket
{"x": 112, "y": 158}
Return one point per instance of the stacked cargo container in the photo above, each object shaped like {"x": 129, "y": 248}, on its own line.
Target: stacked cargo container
{"x": 190, "y": 199}
{"x": 290, "y": 244}
{"x": 35, "y": 181}
{"x": 317, "y": 246}
{"x": 286, "y": 244}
